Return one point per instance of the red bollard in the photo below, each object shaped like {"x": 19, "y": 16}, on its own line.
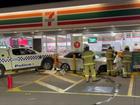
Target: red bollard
{"x": 9, "y": 82}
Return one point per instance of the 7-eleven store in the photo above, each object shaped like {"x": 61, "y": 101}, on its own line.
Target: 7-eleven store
{"x": 51, "y": 30}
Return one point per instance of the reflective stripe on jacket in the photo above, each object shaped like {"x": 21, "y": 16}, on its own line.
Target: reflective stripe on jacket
{"x": 88, "y": 57}
{"x": 109, "y": 54}
{"x": 127, "y": 58}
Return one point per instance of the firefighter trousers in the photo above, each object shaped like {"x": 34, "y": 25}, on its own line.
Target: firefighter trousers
{"x": 110, "y": 70}
{"x": 126, "y": 69}
{"x": 90, "y": 69}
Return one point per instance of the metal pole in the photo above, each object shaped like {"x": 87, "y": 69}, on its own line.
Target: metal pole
{"x": 74, "y": 63}
{"x": 56, "y": 44}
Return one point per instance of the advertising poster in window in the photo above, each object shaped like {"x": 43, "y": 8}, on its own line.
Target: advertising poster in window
{"x": 77, "y": 43}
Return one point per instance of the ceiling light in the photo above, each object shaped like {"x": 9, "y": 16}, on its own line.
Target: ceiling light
{"x": 113, "y": 34}
{"x": 85, "y": 28}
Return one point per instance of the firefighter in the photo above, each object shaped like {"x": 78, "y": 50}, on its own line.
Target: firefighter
{"x": 110, "y": 57}
{"x": 89, "y": 64}
{"x": 126, "y": 62}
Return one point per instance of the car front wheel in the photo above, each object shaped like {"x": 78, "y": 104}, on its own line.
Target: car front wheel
{"x": 47, "y": 65}
{"x": 2, "y": 71}
{"x": 65, "y": 67}
{"x": 102, "y": 69}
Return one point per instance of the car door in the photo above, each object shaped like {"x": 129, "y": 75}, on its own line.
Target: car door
{"x": 5, "y": 59}
{"x": 69, "y": 60}
{"x": 79, "y": 61}
{"x": 24, "y": 58}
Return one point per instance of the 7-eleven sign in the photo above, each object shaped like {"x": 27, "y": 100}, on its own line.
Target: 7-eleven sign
{"x": 50, "y": 19}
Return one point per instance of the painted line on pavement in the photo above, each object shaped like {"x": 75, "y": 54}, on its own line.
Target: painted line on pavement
{"x": 18, "y": 88}
{"x": 73, "y": 85}
{"x": 130, "y": 90}
{"x": 30, "y": 82}
{"x": 76, "y": 75}
{"x": 24, "y": 85}
{"x": 74, "y": 93}
{"x": 41, "y": 78}
{"x": 50, "y": 86}
{"x": 62, "y": 78}
{"x": 136, "y": 73}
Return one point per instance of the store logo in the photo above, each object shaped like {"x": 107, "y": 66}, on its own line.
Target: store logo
{"x": 49, "y": 18}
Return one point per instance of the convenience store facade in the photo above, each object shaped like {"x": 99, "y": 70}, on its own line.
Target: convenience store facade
{"x": 114, "y": 24}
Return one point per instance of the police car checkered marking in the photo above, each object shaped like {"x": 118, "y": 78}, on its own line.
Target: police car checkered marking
{"x": 26, "y": 58}
{"x": 4, "y": 60}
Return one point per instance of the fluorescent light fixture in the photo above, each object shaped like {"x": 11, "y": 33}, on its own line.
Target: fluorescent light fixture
{"x": 113, "y": 34}
{"x": 44, "y": 36}
{"x": 49, "y": 37}
{"x": 85, "y": 28}
{"x": 76, "y": 34}
{"x": 95, "y": 34}
{"x": 59, "y": 29}
{"x": 37, "y": 36}
{"x": 84, "y": 37}
{"x": 61, "y": 36}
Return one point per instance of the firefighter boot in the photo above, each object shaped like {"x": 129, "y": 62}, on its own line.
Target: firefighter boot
{"x": 108, "y": 72}
{"x": 124, "y": 73}
{"x": 87, "y": 78}
{"x": 94, "y": 78}
{"x": 113, "y": 73}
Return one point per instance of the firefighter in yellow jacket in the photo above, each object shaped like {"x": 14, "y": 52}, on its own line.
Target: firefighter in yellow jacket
{"x": 126, "y": 62}
{"x": 110, "y": 58}
{"x": 89, "y": 64}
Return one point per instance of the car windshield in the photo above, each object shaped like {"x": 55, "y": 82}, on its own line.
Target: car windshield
{"x": 79, "y": 54}
{"x": 70, "y": 55}
{"x": 99, "y": 54}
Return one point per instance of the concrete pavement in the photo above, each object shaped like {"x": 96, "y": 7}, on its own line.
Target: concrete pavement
{"x": 71, "y": 85}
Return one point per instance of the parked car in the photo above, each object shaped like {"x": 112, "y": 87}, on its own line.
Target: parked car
{"x": 23, "y": 58}
{"x": 67, "y": 61}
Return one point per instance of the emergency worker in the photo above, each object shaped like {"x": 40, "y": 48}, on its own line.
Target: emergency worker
{"x": 127, "y": 58}
{"x": 110, "y": 58}
{"x": 89, "y": 64}
{"x": 118, "y": 62}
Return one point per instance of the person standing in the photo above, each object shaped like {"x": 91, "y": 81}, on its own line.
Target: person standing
{"x": 110, "y": 57}
{"x": 118, "y": 62}
{"x": 56, "y": 62}
{"x": 127, "y": 58}
{"x": 89, "y": 64}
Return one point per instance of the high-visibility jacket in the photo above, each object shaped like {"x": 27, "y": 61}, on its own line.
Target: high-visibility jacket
{"x": 127, "y": 58}
{"x": 109, "y": 54}
{"x": 88, "y": 57}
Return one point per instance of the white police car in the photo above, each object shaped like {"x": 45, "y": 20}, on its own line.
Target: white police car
{"x": 20, "y": 58}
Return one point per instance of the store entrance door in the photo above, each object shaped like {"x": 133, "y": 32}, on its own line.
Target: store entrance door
{"x": 37, "y": 44}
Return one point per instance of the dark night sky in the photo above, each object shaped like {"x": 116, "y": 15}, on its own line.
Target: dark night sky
{"x": 12, "y": 3}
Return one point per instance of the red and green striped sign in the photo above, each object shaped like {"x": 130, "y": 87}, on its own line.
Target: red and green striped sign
{"x": 25, "y": 20}
{"x": 100, "y": 14}
{"x": 90, "y": 14}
